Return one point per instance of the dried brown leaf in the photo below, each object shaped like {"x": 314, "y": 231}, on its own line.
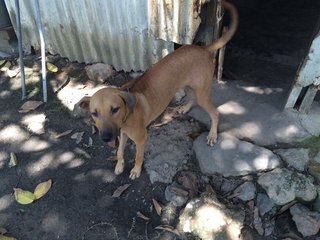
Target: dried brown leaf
{"x": 233, "y": 195}
{"x": 140, "y": 215}
{"x": 189, "y": 182}
{"x": 65, "y": 133}
{"x": 157, "y": 206}
{"x": 29, "y": 106}
{"x": 169, "y": 229}
{"x": 286, "y": 207}
{"x": 178, "y": 191}
{"x": 118, "y": 192}
{"x": 112, "y": 158}
{"x": 209, "y": 189}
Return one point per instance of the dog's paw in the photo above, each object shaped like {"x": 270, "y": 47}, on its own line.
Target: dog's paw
{"x": 135, "y": 173}
{"x": 211, "y": 139}
{"x": 119, "y": 168}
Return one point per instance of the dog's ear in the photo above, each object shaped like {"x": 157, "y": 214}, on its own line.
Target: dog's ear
{"x": 84, "y": 103}
{"x": 129, "y": 99}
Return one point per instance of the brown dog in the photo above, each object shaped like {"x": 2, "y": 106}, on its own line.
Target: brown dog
{"x": 129, "y": 113}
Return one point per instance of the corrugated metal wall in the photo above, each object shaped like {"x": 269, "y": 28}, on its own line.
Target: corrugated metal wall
{"x": 125, "y": 34}
{"x": 175, "y": 21}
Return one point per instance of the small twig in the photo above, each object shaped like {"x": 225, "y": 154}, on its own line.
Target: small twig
{"x": 146, "y": 230}
{"x": 64, "y": 83}
{"x": 291, "y": 235}
{"x": 101, "y": 224}
{"x": 286, "y": 207}
{"x": 19, "y": 178}
{"x": 168, "y": 229}
{"x": 133, "y": 224}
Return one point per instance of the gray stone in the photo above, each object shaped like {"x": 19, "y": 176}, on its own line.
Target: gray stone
{"x": 246, "y": 191}
{"x": 284, "y": 186}
{"x": 205, "y": 179}
{"x": 314, "y": 170}
{"x": 264, "y": 203}
{"x": 317, "y": 157}
{"x": 229, "y": 185}
{"x": 307, "y": 222}
{"x": 269, "y": 225}
{"x": 168, "y": 150}
{"x": 257, "y": 223}
{"x": 316, "y": 203}
{"x": 295, "y": 157}
{"x": 100, "y": 72}
{"x": 233, "y": 157}
{"x": 208, "y": 219}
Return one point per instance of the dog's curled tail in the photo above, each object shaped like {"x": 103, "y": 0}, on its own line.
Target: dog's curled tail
{"x": 219, "y": 43}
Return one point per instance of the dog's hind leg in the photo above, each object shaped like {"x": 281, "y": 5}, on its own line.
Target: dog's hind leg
{"x": 120, "y": 151}
{"x": 204, "y": 99}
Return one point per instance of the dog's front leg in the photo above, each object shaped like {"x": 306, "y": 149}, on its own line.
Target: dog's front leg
{"x": 120, "y": 159}
{"x": 140, "y": 143}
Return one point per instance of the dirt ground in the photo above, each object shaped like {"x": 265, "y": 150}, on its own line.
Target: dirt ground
{"x": 80, "y": 204}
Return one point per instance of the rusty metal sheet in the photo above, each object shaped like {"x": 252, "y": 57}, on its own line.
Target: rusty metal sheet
{"x": 125, "y": 34}
{"x": 114, "y": 32}
{"x": 176, "y": 21}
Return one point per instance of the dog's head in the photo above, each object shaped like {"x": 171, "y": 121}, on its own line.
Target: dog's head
{"x": 109, "y": 109}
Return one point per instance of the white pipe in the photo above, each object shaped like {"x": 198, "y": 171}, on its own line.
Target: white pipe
{"x": 43, "y": 53}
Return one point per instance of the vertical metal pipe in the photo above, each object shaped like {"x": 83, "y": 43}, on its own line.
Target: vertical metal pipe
{"x": 22, "y": 76}
{"x": 43, "y": 53}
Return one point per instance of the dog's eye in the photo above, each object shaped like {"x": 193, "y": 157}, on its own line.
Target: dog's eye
{"x": 94, "y": 114}
{"x": 114, "y": 110}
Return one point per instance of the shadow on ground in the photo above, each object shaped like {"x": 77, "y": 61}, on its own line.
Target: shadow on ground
{"x": 79, "y": 204}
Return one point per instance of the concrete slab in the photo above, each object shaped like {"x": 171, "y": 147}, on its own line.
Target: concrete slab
{"x": 233, "y": 157}
{"x": 4, "y": 55}
{"x": 256, "y": 114}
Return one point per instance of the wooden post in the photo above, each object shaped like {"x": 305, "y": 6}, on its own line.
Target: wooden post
{"x": 210, "y": 21}
{"x": 306, "y": 103}
{"x": 221, "y": 59}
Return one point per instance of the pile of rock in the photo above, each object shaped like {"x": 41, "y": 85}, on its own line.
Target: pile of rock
{"x": 277, "y": 182}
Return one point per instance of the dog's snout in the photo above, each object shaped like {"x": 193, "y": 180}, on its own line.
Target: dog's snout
{"x": 106, "y": 136}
